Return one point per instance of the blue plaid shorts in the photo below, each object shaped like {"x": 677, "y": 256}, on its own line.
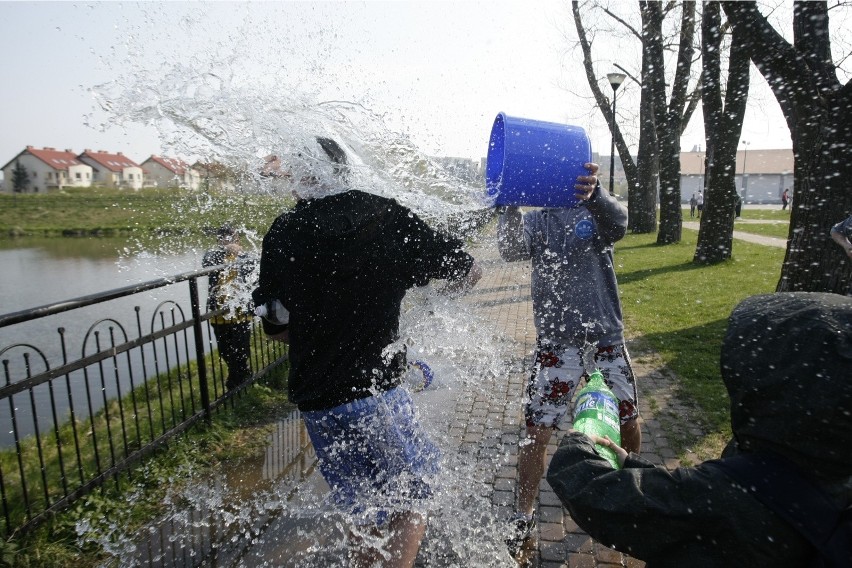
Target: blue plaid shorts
{"x": 373, "y": 455}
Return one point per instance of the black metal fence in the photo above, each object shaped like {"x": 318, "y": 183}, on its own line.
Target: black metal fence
{"x": 72, "y": 423}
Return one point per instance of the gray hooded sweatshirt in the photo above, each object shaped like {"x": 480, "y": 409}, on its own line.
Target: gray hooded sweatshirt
{"x": 574, "y": 289}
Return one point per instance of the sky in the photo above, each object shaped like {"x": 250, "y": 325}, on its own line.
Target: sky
{"x": 76, "y": 73}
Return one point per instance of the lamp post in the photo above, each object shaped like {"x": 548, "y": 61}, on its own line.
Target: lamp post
{"x": 745, "y": 157}
{"x": 615, "y": 81}
{"x": 700, "y": 169}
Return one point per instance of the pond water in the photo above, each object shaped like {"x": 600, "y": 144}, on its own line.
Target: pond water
{"x": 40, "y": 271}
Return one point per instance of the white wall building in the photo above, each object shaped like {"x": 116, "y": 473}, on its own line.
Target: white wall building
{"x": 47, "y": 168}
{"x": 760, "y": 175}
{"x": 170, "y": 172}
{"x": 113, "y": 170}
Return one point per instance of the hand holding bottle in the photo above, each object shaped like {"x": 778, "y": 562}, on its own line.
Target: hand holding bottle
{"x": 620, "y": 452}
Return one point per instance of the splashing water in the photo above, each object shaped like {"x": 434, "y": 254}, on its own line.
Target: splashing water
{"x": 222, "y": 112}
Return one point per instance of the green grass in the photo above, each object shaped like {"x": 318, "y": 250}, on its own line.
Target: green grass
{"x": 103, "y": 211}
{"x": 777, "y": 225}
{"x": 233, "y": 434}
{"x": 680, "y": 310}
{"x": 777, "y": 230}
{"x": 133, "y": 500}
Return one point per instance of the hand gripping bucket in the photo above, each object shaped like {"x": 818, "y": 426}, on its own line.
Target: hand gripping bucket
{"x": 535, "y": 163}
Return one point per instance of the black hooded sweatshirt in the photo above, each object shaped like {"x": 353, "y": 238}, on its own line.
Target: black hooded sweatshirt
{"x": 341, "y": 265}
{"x": 787, "y": 364}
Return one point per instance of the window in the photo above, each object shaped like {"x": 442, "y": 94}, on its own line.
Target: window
{"x": 78, "y": 175}
{"x": 50, "y": 175}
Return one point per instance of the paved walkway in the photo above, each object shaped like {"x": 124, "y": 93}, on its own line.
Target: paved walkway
{"x": 503, "y": 296}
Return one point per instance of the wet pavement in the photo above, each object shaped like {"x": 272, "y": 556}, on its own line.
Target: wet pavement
{"x": 489, "y": 423}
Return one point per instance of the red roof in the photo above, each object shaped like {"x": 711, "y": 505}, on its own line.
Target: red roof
{"x": 174, "y": 165}
{"x": 112, "y": 162}
{"x": 56, "y": 159}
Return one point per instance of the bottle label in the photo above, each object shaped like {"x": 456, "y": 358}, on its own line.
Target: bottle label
{"x": 597, "y": 405}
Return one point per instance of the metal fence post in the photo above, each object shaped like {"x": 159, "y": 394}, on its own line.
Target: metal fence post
{"x": 199, "y": 348}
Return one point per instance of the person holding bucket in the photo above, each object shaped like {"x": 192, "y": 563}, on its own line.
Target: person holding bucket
{"x": 576, "y": 307}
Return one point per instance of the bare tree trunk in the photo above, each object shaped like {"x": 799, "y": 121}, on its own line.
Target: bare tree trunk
{"x": 818, "y": 110}
{"x": 641, "y": 202}
{"x": 668, "y": 117}
{"x": 643, "y": 215}
{"x": 723, "y": 125}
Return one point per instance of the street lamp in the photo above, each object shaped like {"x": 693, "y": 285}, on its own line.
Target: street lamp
{"x": 700, "y": 169}
{"x": 745, "y": 157}
{"x": 615, "y": 81}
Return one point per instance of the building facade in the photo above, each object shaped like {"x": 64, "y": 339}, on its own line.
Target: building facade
{"x": 170, "y": 172}
{"x": 760, "y": 175}
{"x": 113, "y": 170}
{"x": 46, "y": 168}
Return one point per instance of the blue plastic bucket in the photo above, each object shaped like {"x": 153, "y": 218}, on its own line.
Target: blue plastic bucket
{"x": 535, "y": 163}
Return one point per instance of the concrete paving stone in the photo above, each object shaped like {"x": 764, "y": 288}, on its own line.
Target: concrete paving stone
{"x": 570, "y": 524}
{"x": 578, "y": 542}
{"x": 551, "y": 531}
{"x": 503, "y": 498}
{"x": 630, "y": 562}
{"x": 606, "y": 554}
{"x": 504, "y": 484}
{"x": 666, "y": 452}
{"x": 549, "y": 499}
{"x": 576, "y": 560}
{"x": 550, "y": 514}
{"x": 552, "y": 551}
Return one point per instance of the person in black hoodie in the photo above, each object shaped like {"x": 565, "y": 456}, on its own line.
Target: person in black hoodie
{"x": 340, "y": 263}
{"x": 787, "y": 364}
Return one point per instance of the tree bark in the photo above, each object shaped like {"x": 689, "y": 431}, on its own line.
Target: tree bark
{"x": 641, "y": 184}
{"x": 668, "y": 118}
{"x": 723, "y": 121}
{"x": 818, "y": 110}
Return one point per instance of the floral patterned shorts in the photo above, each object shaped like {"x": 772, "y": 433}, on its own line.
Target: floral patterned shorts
{"x": 557, "y": 372}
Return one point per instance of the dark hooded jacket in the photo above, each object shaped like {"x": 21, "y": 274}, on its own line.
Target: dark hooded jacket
{"x": 787, "y": 365}
{"x": 341, "y": 265}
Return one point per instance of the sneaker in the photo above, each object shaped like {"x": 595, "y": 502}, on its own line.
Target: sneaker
{"x": 520, "y": 530}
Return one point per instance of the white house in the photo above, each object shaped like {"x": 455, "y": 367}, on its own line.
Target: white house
{"x": 170, "y": 172}
{"x": 47, "y": 168}
{"x": 113, "y": 170}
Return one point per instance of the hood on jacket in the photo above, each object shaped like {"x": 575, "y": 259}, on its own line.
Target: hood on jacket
{"x": 787, "y": 364}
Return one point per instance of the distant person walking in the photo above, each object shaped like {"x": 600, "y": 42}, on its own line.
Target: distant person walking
{"x": 693, "y": 203}
{"x": 227, "y": 288}
{"x": 700, "y": 203}
{"x": 785, "y": 198}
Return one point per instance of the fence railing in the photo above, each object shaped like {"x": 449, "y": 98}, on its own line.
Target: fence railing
{"x": 73, "y": 423}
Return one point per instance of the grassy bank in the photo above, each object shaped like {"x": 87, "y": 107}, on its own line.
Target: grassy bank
{"x": 102, "y": 211}
{"x": 681, "y": 310}
{"x": 133, "y": 499}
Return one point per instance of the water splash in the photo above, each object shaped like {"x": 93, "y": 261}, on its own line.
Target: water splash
{"x": 217, "y": 108}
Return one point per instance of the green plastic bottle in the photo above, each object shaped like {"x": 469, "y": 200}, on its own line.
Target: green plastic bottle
{"x": 596, "y": 413}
